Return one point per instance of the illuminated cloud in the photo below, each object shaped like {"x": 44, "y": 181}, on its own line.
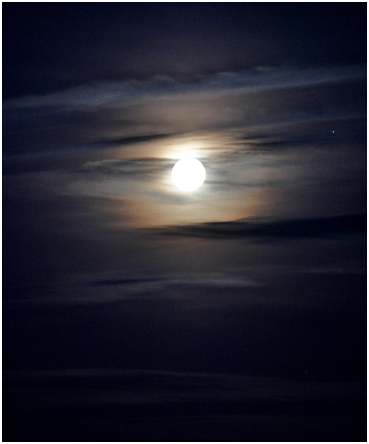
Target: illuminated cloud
{"x": 117, "y": 94}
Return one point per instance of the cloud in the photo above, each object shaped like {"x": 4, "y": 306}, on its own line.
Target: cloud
{"x": 298, "y": 228}
{"x": 113, "y": 94}
{"x": 324, "y": 133}
{"x": 142, "y": 168}
{"x": 125, "y": 281}
{"x": 135, "y": 387}
{"x": 138, "y": 284}
{"x": 115, "y": 287}
{"x": 46, "y": 159}
{"x": 132, "y": 140}
{"x": 270, "y": 102}
{"x": 154, "y": 405}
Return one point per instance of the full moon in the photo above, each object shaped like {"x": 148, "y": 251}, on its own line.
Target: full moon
{"x": 188, "y": 174}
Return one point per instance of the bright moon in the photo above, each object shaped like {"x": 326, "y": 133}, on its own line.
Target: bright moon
{"x": 188, "y": 174}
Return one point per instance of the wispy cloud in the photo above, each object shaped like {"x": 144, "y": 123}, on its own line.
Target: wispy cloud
{"x": 254, "y": 229}
{"x": 144, "y": 387}
{"x": 135, "y": 284}
{"x": 112, "y": 94}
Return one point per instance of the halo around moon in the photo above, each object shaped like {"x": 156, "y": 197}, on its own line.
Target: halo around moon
{"x": 188, "y": 174}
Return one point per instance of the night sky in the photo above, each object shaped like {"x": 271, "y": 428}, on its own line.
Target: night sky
{"x": 134, "y": 311}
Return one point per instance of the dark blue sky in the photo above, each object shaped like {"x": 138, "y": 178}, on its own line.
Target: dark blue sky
{"x": 126, "y": 293}
{"x": 49, "y": 47}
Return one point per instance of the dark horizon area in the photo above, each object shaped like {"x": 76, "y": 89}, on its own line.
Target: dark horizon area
{"x": 136, "y": 311}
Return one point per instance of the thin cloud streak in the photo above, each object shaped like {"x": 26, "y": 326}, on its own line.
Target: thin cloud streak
{"x": 112, "y": 94}
{"x": 179, "y": 387}
{"x": 198, "y": 280}
{"x": 303, "y": 228}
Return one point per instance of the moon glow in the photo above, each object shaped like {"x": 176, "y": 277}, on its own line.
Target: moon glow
{"x": 188, "y": 174}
